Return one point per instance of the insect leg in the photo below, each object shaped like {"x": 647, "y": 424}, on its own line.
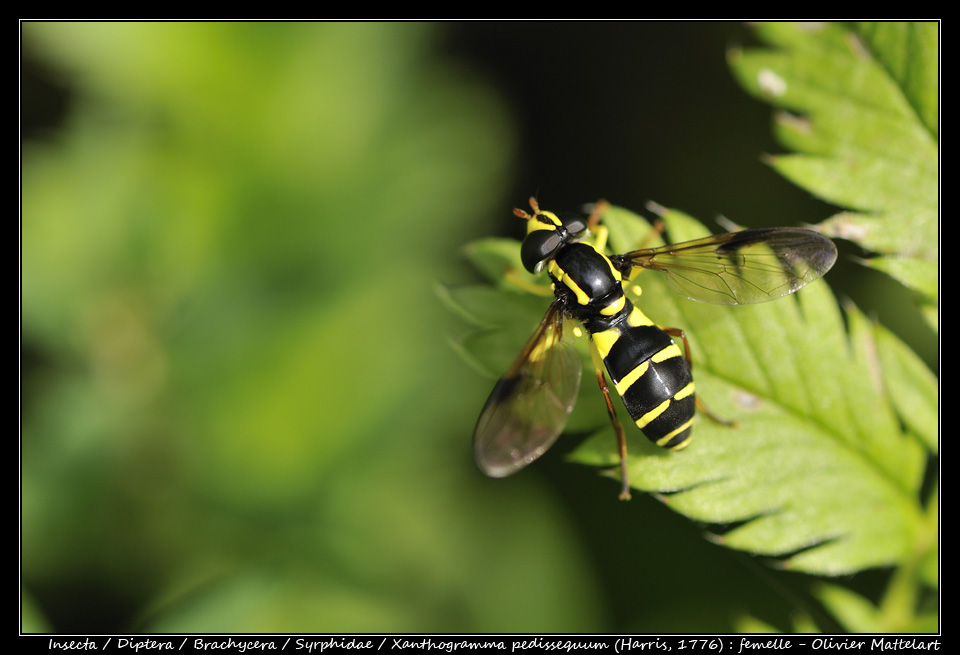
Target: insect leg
{"x": 627, "y": 268}
{"x": 593, "y": 225}
{"x": 514, "y": 276}
{"x": 679, "y": 333}
{"x": 659, "y": 227}
{"x": 726, "y": 422}
{"x": 599, "y": 209}
{"x": 617, "y": 426}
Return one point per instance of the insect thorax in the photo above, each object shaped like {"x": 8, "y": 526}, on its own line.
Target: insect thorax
{"x": 587, "y": 284}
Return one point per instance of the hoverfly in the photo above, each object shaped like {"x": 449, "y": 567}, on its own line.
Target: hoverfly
{"x": 528, "y": 408}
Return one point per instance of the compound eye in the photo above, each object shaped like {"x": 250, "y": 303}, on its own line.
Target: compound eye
{"x": 575, "y": 225}
{"x": 539, "y": 247}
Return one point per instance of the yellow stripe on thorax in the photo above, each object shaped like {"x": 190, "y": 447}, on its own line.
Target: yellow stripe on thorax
{"x": 615, "y": 307}
{"x": 582, "y": 297}
{"x": 567, "y": 281}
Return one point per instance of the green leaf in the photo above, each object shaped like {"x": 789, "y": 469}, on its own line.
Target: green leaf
{"x": 909, "y": 53}
{"x": 802, "y": 624}
{"x": 854, "y": 612}
{"x": 493, "y": 257}
{"x": 861, "y": 110}
{"x": 750, "y": 624}
{"x": 911, "y": 386}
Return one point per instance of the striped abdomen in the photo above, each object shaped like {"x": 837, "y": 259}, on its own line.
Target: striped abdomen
{"x": 652, "y": 376}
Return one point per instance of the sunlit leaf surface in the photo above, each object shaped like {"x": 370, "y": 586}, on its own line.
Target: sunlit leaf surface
{"x": 860, "y": 110}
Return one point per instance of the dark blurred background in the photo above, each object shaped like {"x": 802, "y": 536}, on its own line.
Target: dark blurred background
{"x": 240, "y": 408}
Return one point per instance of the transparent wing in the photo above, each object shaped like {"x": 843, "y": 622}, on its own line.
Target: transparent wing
{"x": 739, "y": 268}
{"x": 529, "y": 406}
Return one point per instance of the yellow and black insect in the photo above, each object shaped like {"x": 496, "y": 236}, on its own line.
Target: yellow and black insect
{"x": 528, "y": 408}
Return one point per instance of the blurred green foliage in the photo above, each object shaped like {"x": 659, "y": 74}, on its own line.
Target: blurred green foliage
{"x": 239, "y": 411}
